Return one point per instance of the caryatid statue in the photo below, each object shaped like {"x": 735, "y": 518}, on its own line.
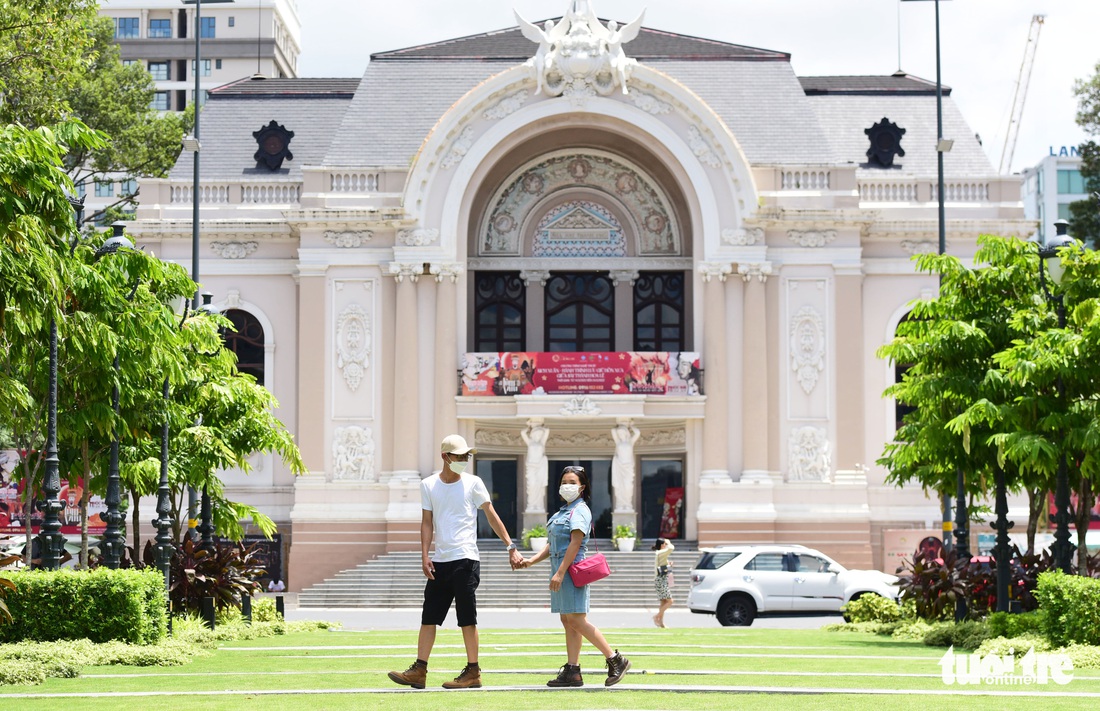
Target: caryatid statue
{"x": 536, "y": 468}
{"x": 625, "y": 435}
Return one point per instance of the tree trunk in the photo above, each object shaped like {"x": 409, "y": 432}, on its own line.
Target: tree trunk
{"x": 1086, "y": 499}
{"x": 85, "y": 497}
{"x": 1035, "y": 500}
{"x": 28, "y": 509}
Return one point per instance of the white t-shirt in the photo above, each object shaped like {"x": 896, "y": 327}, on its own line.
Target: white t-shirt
{"x": 454, "y": 515}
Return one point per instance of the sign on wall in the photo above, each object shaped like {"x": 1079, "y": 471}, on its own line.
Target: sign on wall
{"x": 611, "y": 373}
{"x": 13, "y": 511}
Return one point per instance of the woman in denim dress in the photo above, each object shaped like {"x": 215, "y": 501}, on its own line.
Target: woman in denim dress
{"x": 568, "y": 531}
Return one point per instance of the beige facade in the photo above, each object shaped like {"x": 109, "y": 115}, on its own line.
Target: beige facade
{"x": 792, "y": 248}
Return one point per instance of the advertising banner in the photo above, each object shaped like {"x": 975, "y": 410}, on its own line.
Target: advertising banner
{"x": 612, "y": 373}
{"x": 670, "y": 512}
{"x": 12, "y": 511}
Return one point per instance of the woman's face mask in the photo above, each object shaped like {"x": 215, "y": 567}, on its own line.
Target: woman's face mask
{"x": 569, "y": 492}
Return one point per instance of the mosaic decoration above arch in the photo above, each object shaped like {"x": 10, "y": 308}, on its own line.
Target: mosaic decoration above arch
{"x": 579, "y": 229}
{"x": 657, "y": 233}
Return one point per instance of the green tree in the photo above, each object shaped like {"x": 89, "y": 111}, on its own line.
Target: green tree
{"x": 1085, "y": 214}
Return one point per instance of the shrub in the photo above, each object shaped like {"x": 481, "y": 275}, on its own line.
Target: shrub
{"x": 884, "y": 628}
{"x": 263, "y": 610}
{"x": 536, "y": 531}
{"x": 968, "y": 634}
{"x": 100, "y": 605}
{"x": 913, "y": 631}
{"x": 6, "y": 586}
{"x": 1071, "y": 606}
{"x": 1083, "y": 656}
{"x": 871, "y": 608}
{"x": 933, "y": 584}
{"x": 1004, "y": 624}
{"x": 1017, "y": 646}
{"x": 19, "y": 672}
{"x": 226, "y": 574}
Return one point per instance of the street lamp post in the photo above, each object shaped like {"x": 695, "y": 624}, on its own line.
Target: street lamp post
{"x": 1062, "y": 549}
{"x": 1002, "y": 554}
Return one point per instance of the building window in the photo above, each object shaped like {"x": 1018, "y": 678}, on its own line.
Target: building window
{"x": 128, "y": 187}
{"x": 1070, "y": 182}
{"x": 205, "y": 67}
{"x": 232, "y": 21}
{"x": 104, "y": 188}
{"x": 160, "y": 29}
{"x": 126, "y": 28}
{"x": 246, "y": 342}
{"x": 129, "y": 62}
{"x": 217, "y": 64}
{"x": 500, "y": 303}
{"x": 580, "y": 313}
{"x": 81, "y": 189}
{"x": 1064, "y": 212}
{"x": 203, "y": 95}
{"x": 160, "y": 101}
{"x": 159, "y": 71}
{"x": 659, "y": 311}
{"x": 207, "y": 28}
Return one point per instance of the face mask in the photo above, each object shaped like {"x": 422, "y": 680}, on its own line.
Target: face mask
{"x": 459, "y": 467}
{"x": 569, "y": 491}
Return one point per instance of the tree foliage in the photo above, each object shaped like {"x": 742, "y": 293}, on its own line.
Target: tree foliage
{"x": 1085, "y": 214}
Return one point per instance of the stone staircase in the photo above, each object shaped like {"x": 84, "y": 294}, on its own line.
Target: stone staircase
{"x": 395, "y": 580}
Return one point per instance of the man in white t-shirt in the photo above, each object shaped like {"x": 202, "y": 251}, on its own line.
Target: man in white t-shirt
{"x": 450, "y": 500}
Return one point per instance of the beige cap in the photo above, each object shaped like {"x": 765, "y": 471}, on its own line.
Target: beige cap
{"x": 455, "y": 444}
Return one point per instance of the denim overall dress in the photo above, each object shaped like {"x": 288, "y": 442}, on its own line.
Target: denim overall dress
{"x": 575, "y": 516}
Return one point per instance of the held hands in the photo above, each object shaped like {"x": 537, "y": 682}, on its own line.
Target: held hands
{"x": 555, "y": 582}
{"x": 515, "y": 559}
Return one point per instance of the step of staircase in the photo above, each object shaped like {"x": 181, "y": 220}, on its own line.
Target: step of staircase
{"x": 395, "y": 580}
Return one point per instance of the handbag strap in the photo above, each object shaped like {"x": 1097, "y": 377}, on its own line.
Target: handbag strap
{"x": 589, "y": 534}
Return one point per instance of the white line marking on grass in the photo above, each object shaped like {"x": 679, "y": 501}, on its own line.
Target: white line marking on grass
{"x": 630, "y": 654}
{"x": 520, "y": 646}
{"x": 804, "y": 691}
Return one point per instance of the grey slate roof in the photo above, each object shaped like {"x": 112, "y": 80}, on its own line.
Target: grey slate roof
{"x": 311, "y": 108}
{"x": 896, "y": 84}
{"x": 650, "y": 45}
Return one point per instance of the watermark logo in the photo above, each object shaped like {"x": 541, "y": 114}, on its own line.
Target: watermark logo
{"x": 1030, "y": 669}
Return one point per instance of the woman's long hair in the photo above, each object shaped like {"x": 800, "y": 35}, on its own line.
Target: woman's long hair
{"x": 586, "y": 492}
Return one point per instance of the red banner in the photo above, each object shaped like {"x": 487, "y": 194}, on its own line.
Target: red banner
{"x": 670, "y": 512}
{"x": 613, "y": 373}
{"x": 13, "y": 512}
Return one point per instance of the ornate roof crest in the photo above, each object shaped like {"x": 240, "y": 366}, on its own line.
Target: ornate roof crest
{"x": 578, "y": 56}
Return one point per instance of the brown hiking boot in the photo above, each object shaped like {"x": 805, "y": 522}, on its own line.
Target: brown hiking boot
{"x": 470, "y": 678}
{"x": 617, "y": 667}
{"x": 569, "y": 675}
{"x": 414, "y": 676}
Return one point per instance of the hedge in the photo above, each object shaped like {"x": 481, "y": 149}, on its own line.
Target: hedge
{"x": 1071, "y": 608}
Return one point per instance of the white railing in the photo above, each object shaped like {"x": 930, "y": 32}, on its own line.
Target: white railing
{"x": 887, "y": 191}
{"x": 963, "y": 192}
{"x": 805, "y": 179}
{"x": 271, "y": 194}
{"x": 355, "y": 182}
{"x": 208, "y": 194}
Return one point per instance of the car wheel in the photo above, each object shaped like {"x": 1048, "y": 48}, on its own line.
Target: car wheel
{"x": 736, "y": 611}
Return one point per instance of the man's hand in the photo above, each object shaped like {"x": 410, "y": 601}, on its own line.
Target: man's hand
{"x": 515, "y": 559}
{"x": 555, "y": 582}
{"x": 428, "y": 568}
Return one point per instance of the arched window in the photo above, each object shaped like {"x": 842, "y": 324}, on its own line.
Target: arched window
{"x": 659, "y": 311}
{"x": 580, "y": 313}
{"x": 499, "y": 308}
{"x": 247, "y": 342}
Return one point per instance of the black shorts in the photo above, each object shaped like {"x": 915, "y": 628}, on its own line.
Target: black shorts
{"x": 456, "y": 581}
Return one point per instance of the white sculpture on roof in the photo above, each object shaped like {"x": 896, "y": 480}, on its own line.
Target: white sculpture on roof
{"x": 578, "y": 56}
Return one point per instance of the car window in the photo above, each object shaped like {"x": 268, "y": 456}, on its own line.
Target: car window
{"x": 766, "y": 561}
{"x": 809, "y": 563}
{"x": 715, "y": 559}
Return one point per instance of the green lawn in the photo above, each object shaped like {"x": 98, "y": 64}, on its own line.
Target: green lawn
{"x": 672, "y": 668}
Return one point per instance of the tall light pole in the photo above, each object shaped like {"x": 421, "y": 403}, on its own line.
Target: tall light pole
{"x": 192, "y": 143}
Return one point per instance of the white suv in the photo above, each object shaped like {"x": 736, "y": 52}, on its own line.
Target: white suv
{"x": 736, "y": 583}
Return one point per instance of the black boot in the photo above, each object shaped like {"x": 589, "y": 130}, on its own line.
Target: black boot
{"x": 617, "y": 667}
{"x": 569, "y": 675}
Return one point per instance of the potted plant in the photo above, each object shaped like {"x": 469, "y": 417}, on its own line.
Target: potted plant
{"x": 535, "y": 538}
{"x": 624, "y": 537}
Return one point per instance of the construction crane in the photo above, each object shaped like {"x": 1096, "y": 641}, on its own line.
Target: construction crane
{"x": 1020, "y": 98}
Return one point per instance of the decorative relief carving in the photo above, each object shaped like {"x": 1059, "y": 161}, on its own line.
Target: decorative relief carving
{"x": 743, "y": 237}
{"x": 418, "y": 237}
{"x": 578, "y": 229}
{"x": 353, "y": 345}
{"x": 580, "y": 439}
{"x": 760, "y": 270}
{"x": 580, "y": 406}
{"x": 353, "y": 454}
{"x": 346, "y": 240}
{"x": 459, "y": 148}
{"x": 808, "y": 448}
{"x": 233, "y": 299}
{"x": 663, "y": 438}
{"x": 540, "y": 275}
{"x": 498, "y": 438}
{"x": 811, "y": 238}
{"x": 451, "y": 270}
{"x": 234, "y": 250}
{"x": 650, "y": 104}
{"x": 807, "y": 343}
{"x": 701, "y": 148}
{"x": 507, "y": 106}
{"x": 624, "y": 276}
{"x": 715, "y": 270}
{"x": 401, "y": 270}
{"x": 917, "y": 246}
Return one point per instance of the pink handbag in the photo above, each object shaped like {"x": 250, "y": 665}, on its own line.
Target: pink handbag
{"x": 589, "y": 570}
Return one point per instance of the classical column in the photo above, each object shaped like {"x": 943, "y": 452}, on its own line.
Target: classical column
{"x": 535, "y": 281}
{"x": 755, "y": 371}
{"x": 406, "y": 380}
{"x": 716, "y": 379}
{"x": 312, "y": 358}
{"x": 849, "y": 381}
{"x": 623, "y": 281}
{"x": 446, "y": 356}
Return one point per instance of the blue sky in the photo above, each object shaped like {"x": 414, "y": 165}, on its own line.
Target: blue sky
{"x": 982, "y": 44}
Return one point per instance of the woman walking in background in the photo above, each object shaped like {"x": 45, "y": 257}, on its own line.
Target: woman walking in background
{"x": 663, "y": 570}
{"x": 568, "y": 531}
